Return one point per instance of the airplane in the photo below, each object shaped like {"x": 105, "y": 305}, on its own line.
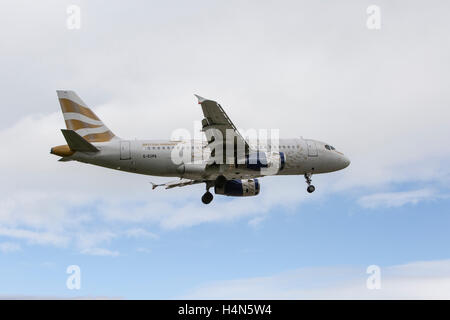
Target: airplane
{"x": 229, "y": 163}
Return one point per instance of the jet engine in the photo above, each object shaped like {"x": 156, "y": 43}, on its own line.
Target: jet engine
{"x": 238, "y": 188}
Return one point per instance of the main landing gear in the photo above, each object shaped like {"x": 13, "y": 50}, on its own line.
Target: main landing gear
{"x": 219, "y": 182}
{"x": 310, "y": 188}
{"x": 208, "y": 196}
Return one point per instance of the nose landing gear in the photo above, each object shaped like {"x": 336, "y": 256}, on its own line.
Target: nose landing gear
{"x": 310, "y": 188}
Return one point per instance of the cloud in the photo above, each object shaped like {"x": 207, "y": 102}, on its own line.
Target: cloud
{"x": 354, "y": 93}
{"x": 143, "y": 250}
{"x": 7, "y": 247}
{"x": 90, "y": 239}
{"x": 140, "y": 233}
{"x": 417, "y": 280}
{"x": 100, "y": 252}
{"x": 181, "y": 208}
{"x": 256, "y": 222}
{"x": 397, "y": 199}
{"x": 33, "y": 237}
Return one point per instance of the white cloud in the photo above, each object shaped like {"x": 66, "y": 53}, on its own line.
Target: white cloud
{"x": 100, "y": 252}
{"x": 140, "y": 233}
{"x": 91, "y": 239}
{"x": 256, "y": 222}
{"x": 178, "y": 208}
{"x": 282, "y": 68}
{"x": 397, "y": 199}
{"x": 7, "y": 247}
{"x": 143, "y": 250}
{"x": 418, "y": 280}
{"x": 33, "y": 237}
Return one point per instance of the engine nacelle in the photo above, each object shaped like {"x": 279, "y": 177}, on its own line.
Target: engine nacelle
{"x": 191, "y": 170}
{"x": 239, "y": 188}
{"x": 265, "y": 160}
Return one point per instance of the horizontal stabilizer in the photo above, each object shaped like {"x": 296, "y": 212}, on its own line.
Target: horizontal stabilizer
{"x": 77, "y": 142}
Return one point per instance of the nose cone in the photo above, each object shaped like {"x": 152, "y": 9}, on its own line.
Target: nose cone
{"x": 345, "y": 161}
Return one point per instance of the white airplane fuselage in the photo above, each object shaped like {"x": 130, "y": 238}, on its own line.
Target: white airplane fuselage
{"x": 154, "y": 157}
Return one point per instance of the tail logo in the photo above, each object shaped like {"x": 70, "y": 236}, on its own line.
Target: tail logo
{"x": 81, "y": 119}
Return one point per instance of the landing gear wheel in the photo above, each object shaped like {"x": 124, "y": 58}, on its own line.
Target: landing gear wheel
{"x": 207, "y": 197}
{"x": 310, "y": 188}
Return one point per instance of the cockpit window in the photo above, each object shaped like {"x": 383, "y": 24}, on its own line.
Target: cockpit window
{"x": 327, "y": 147}
{"x": 332, "y": 148}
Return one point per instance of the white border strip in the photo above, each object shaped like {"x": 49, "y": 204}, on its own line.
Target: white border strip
{"x": 83, "y": 132}
{"x": 80, "y": 117}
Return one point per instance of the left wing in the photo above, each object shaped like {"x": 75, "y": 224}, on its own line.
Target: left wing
{"x": 176, "y": 183}
{"x": 216, "y": 118}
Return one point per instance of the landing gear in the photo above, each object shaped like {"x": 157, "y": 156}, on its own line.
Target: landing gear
{"x": 207, "y": 197}
{"x": 220, "y": 181}
{"x": 310, "y": 188}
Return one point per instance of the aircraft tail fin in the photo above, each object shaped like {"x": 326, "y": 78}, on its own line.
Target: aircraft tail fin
{"x": 81, "y": 119}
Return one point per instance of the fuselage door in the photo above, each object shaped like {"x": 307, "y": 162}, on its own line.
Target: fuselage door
{"x": 125, "y": 153}
{"x": 312, "y": 148}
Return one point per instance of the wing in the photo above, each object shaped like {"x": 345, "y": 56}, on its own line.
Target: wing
{"x": 216, "y": 118}
{"x": 176, "y": 183}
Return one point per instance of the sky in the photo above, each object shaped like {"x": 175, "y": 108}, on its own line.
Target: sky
{"x": 311, "y": 69}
